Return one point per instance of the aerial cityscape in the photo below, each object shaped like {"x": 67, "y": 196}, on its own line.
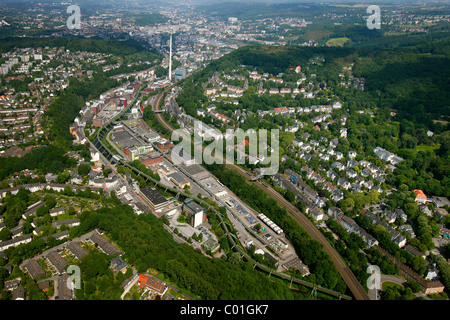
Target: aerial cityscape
{"x": 204, "y": 151}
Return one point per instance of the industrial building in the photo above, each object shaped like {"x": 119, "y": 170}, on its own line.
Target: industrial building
{"x": 197, "y": 172}
{"x": 270, "y": 223}
{"x": 150, "y": 159}
{"x": 156, "y": 200}
{"x": 179, "y": 180}
{"x": 211, "y": 245}
{"x": 180, "y": 74}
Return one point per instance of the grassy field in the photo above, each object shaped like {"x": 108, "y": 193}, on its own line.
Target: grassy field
{"x": 388, "y": 284}
{"x": 425, "y": 148}
{"x": 337, "y": 41}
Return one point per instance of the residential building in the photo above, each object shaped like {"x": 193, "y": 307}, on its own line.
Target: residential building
{"x": 103, "y": 244}
{"x": 420, "y": 196}
{"x": 387, "y": 156}
{"x": 439, "y": 202}
{"x": 317, "y": 213}
{"x": 33, "y": 268}
{"x": 18, "y": 293}
{"x": 57, "y": 261}
{"x": 70, "y": 223}
{"x": 118, "y": 264}
{"x": 77, "y": 250}
{"x": 15, "y": 242}
{"x": 64, "y": 291}
{"x": 56, "y": 211}
{"x": 149, "y": 283}
{"x": 441, "y": 213}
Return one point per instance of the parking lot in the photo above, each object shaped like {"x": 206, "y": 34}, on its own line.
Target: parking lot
{"x": 188, "y": 231}
{"x": 248, "y": 219}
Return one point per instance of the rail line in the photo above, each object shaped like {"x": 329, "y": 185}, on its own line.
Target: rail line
{"x": 230, "y": 236}
{"x": 235, "y": 244}
{"x": 347, "y": 275}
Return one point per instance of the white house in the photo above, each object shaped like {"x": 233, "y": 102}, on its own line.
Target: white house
{"x": 57, "y": 211}
{"x": 337, "y": 105}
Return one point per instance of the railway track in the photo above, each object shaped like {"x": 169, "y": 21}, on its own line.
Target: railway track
{"x": 235, "y": 245}
{"x": 347, "y": 275}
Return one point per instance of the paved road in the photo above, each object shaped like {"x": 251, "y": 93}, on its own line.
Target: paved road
{"x": 129, "y": 285}
{"x": 347, "y": 275}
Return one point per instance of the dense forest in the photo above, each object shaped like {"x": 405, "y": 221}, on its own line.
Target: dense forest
{"x": 148, "y": 245}
{"x": 411, "y": 79}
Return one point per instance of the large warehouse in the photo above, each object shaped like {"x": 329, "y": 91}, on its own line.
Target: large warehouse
{"x": 156, "y": 200}
{"x": 197, "y": 172}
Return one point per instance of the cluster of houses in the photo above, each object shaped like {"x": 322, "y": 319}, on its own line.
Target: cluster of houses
{"x": 387, "y": 156}
{"x": 308, "y": 149}
{"x": 52, "y": 265}
{"x": 217, "y": 87}
{"x": 351, "y": 226}
{"x": 17, "y": 235}
{"x": 57, "y": 213}
{"x": 390, "y": 217}
{"x": 357, "y": 83}
{"x": 325, "y": 111}
{"x": 439, "y": 204}
{"x": 302, "y": 191}
{"x": 211, "y": 111}
{"x": 22, "y": 110}
{"x": 385, "y": 218}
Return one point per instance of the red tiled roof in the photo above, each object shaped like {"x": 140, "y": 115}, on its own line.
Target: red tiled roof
{"x": 419, "y": 194}
{"x": 146, "y": 281}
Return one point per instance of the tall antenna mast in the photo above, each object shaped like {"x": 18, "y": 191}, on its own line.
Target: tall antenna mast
{"x": 170, "y": 56}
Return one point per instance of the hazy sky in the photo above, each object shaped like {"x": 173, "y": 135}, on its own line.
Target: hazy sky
{"x": 218, "y": 1}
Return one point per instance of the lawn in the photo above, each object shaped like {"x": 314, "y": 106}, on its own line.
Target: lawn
{"x": 388, "y": 284}
{"x": 65, "y": 216}
{"x": 425, "y": 148}
{"x": 337, "y": 41}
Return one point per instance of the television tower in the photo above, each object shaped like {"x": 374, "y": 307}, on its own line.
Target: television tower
{"x": 170, "y": 58}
